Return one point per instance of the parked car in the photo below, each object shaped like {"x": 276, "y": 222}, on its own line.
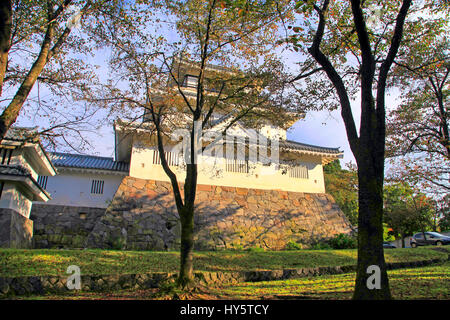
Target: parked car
{"x": 431, "y": 238}
{"x": 388, "y": 245}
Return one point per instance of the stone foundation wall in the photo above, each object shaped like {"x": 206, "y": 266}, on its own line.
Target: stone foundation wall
{"x": 16, "y": 231}
{"x": 58, "y": 226}
{"x": 142, "y": 216}
{"x": 5, "y": 228}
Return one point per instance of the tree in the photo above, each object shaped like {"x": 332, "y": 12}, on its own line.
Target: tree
{"x": 354, "y": 43}
{"x": 229, "y": 46}
{"x": 407, "y": 211}
{"x": 40, "y": 50}
{"x": 343, "y": 186}
{"x": 418, "y": 128}
{"x": 444, "y": 223}
{"x": 443, "y": 209}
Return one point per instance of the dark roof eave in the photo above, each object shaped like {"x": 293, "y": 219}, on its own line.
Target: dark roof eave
{"x": 91, "y": 168}
{"x": 4, "y": 177}
{"x": 31, "y": 137}
{"x": 288, "y": 144}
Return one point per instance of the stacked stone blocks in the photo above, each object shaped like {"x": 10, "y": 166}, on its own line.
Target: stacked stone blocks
{"x": 142, "y": 216}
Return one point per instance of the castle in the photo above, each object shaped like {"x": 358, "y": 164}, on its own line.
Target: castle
{"x": 127, "y": 202}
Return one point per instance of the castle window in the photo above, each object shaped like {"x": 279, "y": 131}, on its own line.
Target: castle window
{"x": 190, "y": 81}
{"x": 172, "y": 158}
{"x": 97, "y": 186}
{"x": 42, "y": 181}
{"x": 82, "y": 215}
{"x": 6, "y": 155}
{"x": 235, "y": 165}
{"x": 299, "y": 172}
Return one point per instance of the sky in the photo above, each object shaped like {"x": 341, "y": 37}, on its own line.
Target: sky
{"x": 327, "y": 129}
{"x": 318, "y": 128}
{"x": 322, "y": 128}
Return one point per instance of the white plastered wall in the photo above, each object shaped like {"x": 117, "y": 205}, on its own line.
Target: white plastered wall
{"x": 73, "y": 188}
{"x": 213, "y": 173}
{"x": 13, "y": 198}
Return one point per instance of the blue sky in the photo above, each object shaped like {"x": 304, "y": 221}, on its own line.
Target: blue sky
{"x": 319, "y": 128}
{"x": 323, "y": 128}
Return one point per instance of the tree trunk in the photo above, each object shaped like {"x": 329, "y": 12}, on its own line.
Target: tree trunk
{"x": 11, "y": 112}
{"x": 370, "y": 228}
{"x": 5, "y": 38}
{"x": 186, "y": 275}
{"x": 443, "y": 117}
{"x": 368, "y": 148}
{"x": 185, "y": 210}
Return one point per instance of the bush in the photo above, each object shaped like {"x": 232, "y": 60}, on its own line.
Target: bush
{"x": 292, "y": 245}
{"x": 255, "y": 249}
{"x": 116, "y": 243}
{"x": 236, "y": 247}
{"x": 343, "y": 241}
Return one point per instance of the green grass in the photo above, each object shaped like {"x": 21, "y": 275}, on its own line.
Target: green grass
{"x": 14, "y": 262}
{"x": 432, "y": 282}
{"x": 425, "y": 283}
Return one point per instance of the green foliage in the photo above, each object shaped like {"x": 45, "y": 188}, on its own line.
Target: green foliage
{"x": 237, "y": 247}
{"x": 343, "y": 241}
{"x": 418, "y": 138}
{"x": 333, "y": 167}
{"x": 444, "y": 214}
{"x": 388, "y": 234}
{"x": 444, "y": 222}
{"x": 169, "y": 288}
{"x": 339, "y": 241}
{"x": 292, "y": 245}
{"x": 255, "y": 249}
{"x": 343, "y": 186}
{"x": 406, "y": 210}
{"x": 116, "y": 243}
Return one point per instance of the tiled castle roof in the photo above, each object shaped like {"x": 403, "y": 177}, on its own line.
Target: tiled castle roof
{"x": 308, "y": 147}
{"x": 20, "y": 171}
{"x": 14, "y": 170}
{"x": 87, "y": 162}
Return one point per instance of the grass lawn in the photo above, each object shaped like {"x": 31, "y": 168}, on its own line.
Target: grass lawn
{"x": 432, "y": 282}
{"x": 14, "y": 262}
{"x": 426, "y": 283}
